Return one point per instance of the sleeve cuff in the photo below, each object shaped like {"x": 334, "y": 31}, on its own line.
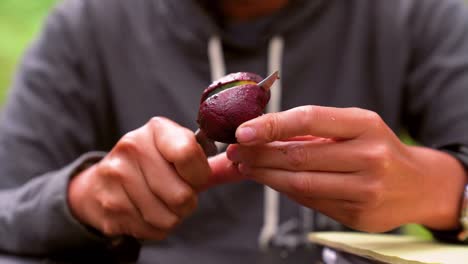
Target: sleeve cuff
{"x": 122, "y": 249}
{"x": 67, "y": 227}
{"x": 37, "y": 221}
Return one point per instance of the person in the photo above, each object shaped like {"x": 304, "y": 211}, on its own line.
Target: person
{"x": 97, "y": 146}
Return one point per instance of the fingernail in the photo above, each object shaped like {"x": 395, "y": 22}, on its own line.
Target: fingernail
{"x": 245, "y": 134}
{"x": 233, "y": 153}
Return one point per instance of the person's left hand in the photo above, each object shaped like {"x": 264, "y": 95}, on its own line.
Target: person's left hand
{"x": 349, "y": 165}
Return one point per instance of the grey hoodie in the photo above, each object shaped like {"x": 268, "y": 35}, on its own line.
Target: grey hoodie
{"x": 102, "y": 68}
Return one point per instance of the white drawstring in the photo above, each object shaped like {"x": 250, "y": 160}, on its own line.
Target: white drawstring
{"x": 217, "y": 66}
{"x": 275, "y": 58}
{"x": 271, "y": 205}
{"x": 216, "y": 57}
{"x": 218, "y": 70}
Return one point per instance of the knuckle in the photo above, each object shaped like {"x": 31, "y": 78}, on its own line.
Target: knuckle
{"x": 373, "y": 119}
{"x": 154, "y": 186}
{"x": 112, "y": 169}
{"x": 379, "y": 155}
{"x": 112, "y": 205}
{"x": 297, "y": 156}
{"x": 128, "y": 143}
{"x": 301, "y": 184}
{"x": 189, "y": 207}
{"x": 169, "y": 222}
{"x": 185, "y": 150}
{"x": 373, "y": 194}
{"x": 166, "y": 222}
{"x": 150, "y": 218}
{"x": 155, "y": 121}
{"x": 272, "y": 131}
{"x": 307, "y": 113}
{"x": 109, "y": 229}
{"x": 308, "y": 110}
{"x": 359, "y": 111}
{"x": 181, "y": 197}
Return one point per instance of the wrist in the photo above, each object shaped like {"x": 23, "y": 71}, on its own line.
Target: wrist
{"x": 77, "y": 191}
{"x": 457, "y": 235}
{"x": 444, "y": 179}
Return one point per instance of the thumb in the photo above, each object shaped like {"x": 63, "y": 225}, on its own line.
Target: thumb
{"x": 222, "y": 171}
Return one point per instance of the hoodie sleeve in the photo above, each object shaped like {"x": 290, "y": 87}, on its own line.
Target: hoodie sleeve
{"x": 48, "y": 131}
{"x": 437, "y": 86}
{"x": 437, "y": 94}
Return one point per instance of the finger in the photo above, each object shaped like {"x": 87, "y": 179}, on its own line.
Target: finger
{"x": 164, "y": 182}
{"x": 142, "y": 230}
{"x": 151, "y": 209}
{"x": 323, "y": 185}
{"x": 113, "y": 212}
{"x": 134, "y": 225}
{"x": 323, "y": 155}
{"x": 306, "y": 138}
{"x": 179, "y": 146}
{"x": 328, "y": 122}
{"x": 223, "y": 171}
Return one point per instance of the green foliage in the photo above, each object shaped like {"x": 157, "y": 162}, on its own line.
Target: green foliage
{"x": 19, "y": 22}
{"x": 417, "y": 230}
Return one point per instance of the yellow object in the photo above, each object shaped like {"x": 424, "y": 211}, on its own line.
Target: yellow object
{"x": 392, "y": 248}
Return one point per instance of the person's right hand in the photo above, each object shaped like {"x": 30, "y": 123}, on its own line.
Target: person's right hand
{"x": 148, "y": 183}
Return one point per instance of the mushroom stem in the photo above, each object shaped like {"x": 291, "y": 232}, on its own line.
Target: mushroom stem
{"x": 268, "y": 81}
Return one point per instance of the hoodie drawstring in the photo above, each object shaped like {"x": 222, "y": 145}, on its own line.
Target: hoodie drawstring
{"x": 217, "y": 66}
{"x": 271, "y": 208}
{"x": 271, "y": 201}
{"x": 216, "y": 58}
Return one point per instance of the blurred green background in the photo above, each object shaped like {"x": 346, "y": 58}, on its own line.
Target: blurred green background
{"x": 20, "y": 20}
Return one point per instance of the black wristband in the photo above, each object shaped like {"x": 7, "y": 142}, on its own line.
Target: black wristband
{"x": 459, "y": 235}
{"x": 463, "y": 234}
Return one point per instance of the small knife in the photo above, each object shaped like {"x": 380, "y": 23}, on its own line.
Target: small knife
{"x": 208, "y": 145}
{"x": 268, "y": 81}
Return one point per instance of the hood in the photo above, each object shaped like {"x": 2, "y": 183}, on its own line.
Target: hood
{"x": 189, "y": 21}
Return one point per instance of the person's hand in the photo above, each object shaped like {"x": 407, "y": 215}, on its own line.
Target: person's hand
{"x": 148, "y": 183}
{"x": 347, "y": 164}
